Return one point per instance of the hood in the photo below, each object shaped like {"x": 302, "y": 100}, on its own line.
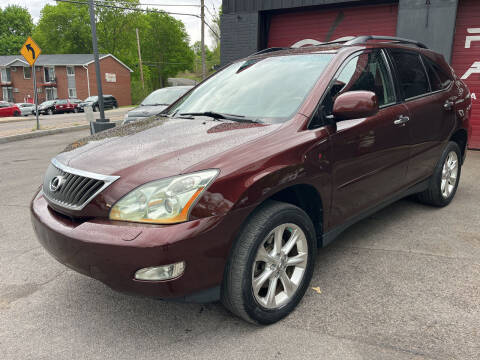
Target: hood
{"x": 159, "y": 147}
{"x": 146, "y": 111}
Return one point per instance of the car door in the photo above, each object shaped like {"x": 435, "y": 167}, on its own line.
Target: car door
{"x": 428, "y": 102}
{"x": 369, "y": 155}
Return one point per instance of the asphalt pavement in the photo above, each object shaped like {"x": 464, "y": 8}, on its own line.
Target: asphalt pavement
{"x": 402, "y": 284}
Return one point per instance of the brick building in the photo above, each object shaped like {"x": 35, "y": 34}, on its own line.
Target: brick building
{"x": 63, "y": 76}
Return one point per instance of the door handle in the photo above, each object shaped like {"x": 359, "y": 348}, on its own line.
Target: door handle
{"x": 401, "y": 120}
{"x": 448, "y": 105}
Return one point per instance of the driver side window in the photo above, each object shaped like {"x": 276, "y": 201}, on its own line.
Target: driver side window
{"x": 366, "y": 71}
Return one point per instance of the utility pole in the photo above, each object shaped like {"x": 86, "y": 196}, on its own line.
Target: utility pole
{"x": 102, "y": 123}
{"x": 202, "y": 20}
{"x": 140, "y": 60}
{"x": 35, "y": 94}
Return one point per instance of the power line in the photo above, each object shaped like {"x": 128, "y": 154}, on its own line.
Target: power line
{"x": 103, "y": 4}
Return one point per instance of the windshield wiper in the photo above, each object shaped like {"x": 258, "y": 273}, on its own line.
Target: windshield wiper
{"x": 216, "y": 115}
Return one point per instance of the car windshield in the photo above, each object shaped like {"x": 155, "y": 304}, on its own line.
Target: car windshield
{"x": 269, "y": 89}
{"x": 164, "y": 96}
{"x": 91, "y": 99}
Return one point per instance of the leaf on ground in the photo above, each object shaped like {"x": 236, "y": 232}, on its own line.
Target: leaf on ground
{"x": 317, "y": 289}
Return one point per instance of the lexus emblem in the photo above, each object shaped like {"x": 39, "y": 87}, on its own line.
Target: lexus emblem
{"x": 56, "y": 183}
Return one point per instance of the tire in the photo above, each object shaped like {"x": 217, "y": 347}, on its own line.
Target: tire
{"x": 75, "y": 110}
{"x": 50, "y": 112}
{"x": 438, "y": 194}
{"x": 238, "y": 292}
{"x": 16, "y": 113}
{"x": 95, "y": 108}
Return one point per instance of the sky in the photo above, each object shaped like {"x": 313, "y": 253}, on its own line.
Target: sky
{"x": 192, "y": 24}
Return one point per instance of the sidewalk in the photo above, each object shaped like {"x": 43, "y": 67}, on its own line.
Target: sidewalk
{"x": 26, "y": 126}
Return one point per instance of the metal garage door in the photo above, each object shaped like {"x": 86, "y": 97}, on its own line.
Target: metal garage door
{"x": 332, "y": 23}
{"x": 466, "y": 59}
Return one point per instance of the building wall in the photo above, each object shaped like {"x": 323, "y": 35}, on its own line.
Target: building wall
{"x": 432, "y": 24}
{"x": 245, "y": 22}
{"x": 24, "y": 86}
{"x": 119, "y": 89}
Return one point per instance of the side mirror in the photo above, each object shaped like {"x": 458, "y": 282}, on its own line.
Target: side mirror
{"x": 355, "y": 105}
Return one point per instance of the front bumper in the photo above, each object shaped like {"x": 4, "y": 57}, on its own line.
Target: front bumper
{"x": 112, "y": 251}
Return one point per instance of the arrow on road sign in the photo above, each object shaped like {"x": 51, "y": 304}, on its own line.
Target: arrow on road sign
{"x": 29, "y": 48}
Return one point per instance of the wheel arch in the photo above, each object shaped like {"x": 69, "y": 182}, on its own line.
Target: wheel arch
{"x": 307, "y": 198}
{"x": 460, "y": 137}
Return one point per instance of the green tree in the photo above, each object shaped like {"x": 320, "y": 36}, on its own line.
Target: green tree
{"x": 15, "y": 26}
{"x": 165, "y": 47}
{"x": 64, "y": 28}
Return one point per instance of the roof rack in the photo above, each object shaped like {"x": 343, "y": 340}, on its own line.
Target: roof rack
{"x": 351, "y": 40}
{"x": 264, "y": 51}
{"x": 363, "y": 39}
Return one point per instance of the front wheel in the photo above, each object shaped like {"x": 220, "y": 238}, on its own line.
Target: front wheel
{"x": 50, "y": 112}
{"x": 271, "y": 264}
{"x": 444, "y": 182}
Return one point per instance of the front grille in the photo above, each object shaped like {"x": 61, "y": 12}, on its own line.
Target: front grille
{"x": 72, "y": 188}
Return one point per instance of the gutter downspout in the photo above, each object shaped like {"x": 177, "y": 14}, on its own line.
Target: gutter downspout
{"x": 88, "y": 80}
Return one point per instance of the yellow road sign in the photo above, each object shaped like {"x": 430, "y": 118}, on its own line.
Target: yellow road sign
{"x": 30, "y": 51}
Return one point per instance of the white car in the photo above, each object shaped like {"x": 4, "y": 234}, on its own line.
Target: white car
{"x": 26, "y": 108}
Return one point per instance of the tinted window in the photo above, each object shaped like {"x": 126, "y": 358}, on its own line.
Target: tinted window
{"x": 438, "y": 79}
{"x": 364, "y": 72}
{"x": 270, "y": 89}
{"x": 412, "y": 77}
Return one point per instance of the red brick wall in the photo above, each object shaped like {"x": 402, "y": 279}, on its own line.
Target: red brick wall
{"x": 62, "y": 84}
{"x": 119, "y": 89}
{"x": 24, "y": 86}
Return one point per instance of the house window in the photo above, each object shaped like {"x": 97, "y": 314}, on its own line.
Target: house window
{"x": 50, "y": 93}
{"x": 71, "y": 70}
{"x": 49, "y": 72}
{"x": 5, "y": 75}
{"x": 7, "y": 94}
{"x": 27, "y": 72}
{"x": 72, "y": 93}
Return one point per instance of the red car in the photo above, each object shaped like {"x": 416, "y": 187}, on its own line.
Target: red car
{"x": 65, "y": 106}
{"x": 9, "y": 109}
{"x": 228, "y": 193}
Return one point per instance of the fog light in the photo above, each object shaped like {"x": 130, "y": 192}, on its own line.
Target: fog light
{"x": 164, "y": 272}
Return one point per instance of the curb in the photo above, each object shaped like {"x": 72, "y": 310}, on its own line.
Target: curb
{"x": 40, "y": 133}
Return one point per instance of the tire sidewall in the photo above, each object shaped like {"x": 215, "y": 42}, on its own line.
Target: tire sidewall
{"x": 252, "y": 307}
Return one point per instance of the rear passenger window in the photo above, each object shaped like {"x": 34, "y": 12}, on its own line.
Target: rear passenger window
{"x": 438, "y": 79}
{"x": 411, "y": 73}
{"x": 366, "y": 71}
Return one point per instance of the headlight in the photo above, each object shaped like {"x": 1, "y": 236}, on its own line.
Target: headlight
{"x": 165, "y": 201}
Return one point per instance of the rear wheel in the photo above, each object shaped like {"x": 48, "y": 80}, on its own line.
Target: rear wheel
{"x": 271, "y": 264}
{"x": 50, "y": 112}
{"x": 16, "y": 113}
{"x": 95, "y": 108}
{"x": 444, "y": 182}
{"x": 75, "y": 110}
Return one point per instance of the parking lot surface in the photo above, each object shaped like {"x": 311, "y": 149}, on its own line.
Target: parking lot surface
{"x": 402, "y": 284}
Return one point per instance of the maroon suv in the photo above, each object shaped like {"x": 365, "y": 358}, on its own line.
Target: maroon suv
{"x": 229, "y": 192}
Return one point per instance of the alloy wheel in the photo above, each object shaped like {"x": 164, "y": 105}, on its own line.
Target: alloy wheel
{"x": 449, "y": 174}
{"x": 279, "y": 266}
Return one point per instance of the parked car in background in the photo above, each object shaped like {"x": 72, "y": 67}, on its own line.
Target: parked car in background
{"x": 46, "y": 107}
{"x": 229, "y": 192}
{"x": 26, "y": 108}
{"x": 64, "y": 106}
{"x": 9, "y": 109}
{"x": 109, "y": 102}
{"x": 156, "y": 102}
{"x": 76, "y": 103}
